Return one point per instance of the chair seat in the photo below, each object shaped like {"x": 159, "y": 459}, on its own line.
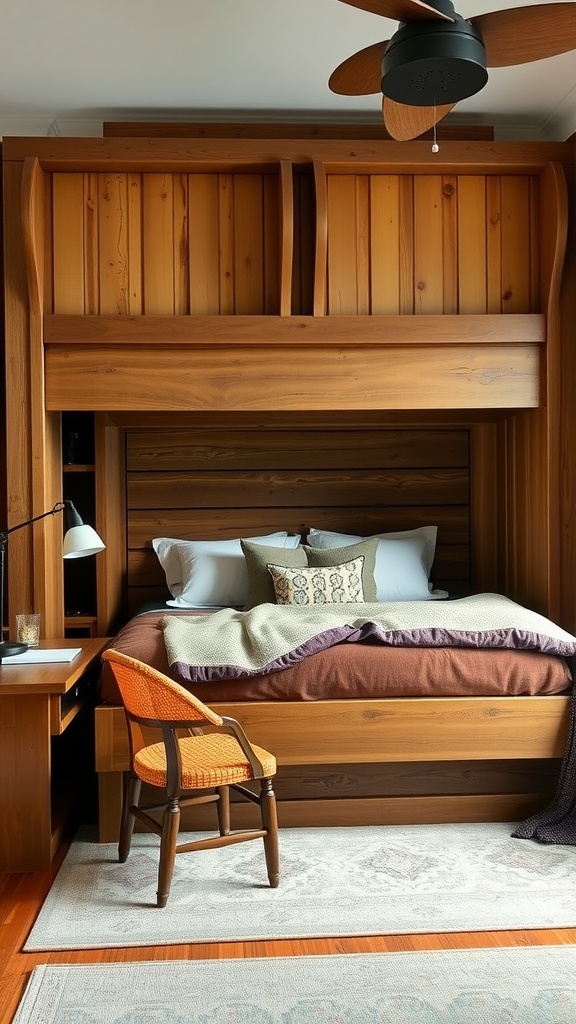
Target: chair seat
{"x": 213, "y": 759}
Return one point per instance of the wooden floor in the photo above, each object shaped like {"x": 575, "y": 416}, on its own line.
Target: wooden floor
{"x": 21, "y": 897}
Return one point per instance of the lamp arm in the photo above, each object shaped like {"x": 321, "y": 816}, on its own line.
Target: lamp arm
{"x": 58, "y": 507}
{"x": 4, "y": 534}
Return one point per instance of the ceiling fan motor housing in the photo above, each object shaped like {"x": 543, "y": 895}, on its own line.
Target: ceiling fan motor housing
{"x": 434, "y": 62}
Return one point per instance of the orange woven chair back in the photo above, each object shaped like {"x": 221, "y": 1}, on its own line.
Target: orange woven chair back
{"x": 147, "y": 693}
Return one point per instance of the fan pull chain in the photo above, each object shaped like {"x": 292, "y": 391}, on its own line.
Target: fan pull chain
{"x": 435, "y": 146}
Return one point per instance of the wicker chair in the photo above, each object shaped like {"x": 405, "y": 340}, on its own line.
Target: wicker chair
{"x": 187, "y": 758}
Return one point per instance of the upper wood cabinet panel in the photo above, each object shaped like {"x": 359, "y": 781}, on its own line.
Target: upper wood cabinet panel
{"x": 214, "y": 243}
{"x": 426, "y": 243}
{"x": 282, "y": 241}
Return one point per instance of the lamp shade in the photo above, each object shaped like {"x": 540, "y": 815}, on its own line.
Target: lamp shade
{"x": 80, "y": 541}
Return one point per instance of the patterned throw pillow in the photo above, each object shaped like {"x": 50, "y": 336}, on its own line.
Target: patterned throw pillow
{"x": 322, "y": 584}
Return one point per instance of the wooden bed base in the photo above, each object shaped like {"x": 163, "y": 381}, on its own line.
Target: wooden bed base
{"x": 373, "y": 732}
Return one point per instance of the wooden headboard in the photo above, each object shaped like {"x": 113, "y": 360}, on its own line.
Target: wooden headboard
{"x": 231, "y": 476}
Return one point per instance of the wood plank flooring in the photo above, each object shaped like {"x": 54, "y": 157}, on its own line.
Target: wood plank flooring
{"x": 22, "y": 895}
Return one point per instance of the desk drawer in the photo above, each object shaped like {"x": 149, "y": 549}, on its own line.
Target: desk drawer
{"x": 65, "y": 706}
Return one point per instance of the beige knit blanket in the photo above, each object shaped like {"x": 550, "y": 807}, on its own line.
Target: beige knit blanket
{"x": 269, "y": 638}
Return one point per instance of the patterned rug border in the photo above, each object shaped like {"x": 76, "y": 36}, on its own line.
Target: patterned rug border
{"x": 522, "y": 985}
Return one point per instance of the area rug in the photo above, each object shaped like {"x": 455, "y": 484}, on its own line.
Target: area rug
{"x": 334, "y": 881}
{"x": 530, "y": 985}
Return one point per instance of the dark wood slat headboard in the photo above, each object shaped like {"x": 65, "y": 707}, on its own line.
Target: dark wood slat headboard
{"x": 221, "y": 482}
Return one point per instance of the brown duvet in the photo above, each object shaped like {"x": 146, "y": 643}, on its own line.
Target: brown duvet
{"x": 360, "y": 670}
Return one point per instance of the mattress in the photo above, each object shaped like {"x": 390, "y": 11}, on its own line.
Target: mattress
{"x": 359, "y": 670}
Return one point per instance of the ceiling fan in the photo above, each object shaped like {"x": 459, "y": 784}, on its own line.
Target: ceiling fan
{"x": 437, "y": 57}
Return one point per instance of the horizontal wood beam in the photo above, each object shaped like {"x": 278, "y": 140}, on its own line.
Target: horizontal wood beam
{"x": 374, "y": 731}
{"x": 282, "y": 130}
{"x": 300, "y": 331}
{"x": 394, "y": 810}
{"x": 136, "y": 377}
{"x": 137, "y": 154}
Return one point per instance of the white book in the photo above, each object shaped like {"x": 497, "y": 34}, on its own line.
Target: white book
{"x": 37, "y": 656}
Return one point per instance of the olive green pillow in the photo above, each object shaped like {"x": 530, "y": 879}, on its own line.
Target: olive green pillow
{"x": 260, "y": 585}
{"x": 259, "y": 557}
{"x": 335, "y": 556}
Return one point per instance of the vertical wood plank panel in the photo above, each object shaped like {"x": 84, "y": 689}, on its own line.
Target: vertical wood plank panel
{"x": 540, "y": 522}
{"x": 485, "y": 499}
{"x": 135, "y": 257}
{"x": 113, "y": 250}
{"x": 472, "y": 243}
{"x": 181, "y": 247}
{"x": 48, "y": 245}
{"x": 529, "y": 509}
{"x": 320, "y": 298}
{"x": 110, "y": 521}
{"x": 504, "y": 504}
{"x": 227, "y": 277}
{"x": 512, "y": 545}
{"x": 204, "y": 260}
{"x": 307, "y": 243}
{"x": 271, "y": 244}
{"x": 342, "y": 297}
{"x": 362, "y": 244}
{"x": 19, "y": 396}
{"x": 565, "y": 389}
{"x": 304, "y": 239}
{"x": 428, "y": 290}
{"x": 158, "y": 243}
{"x": 68, "y": 219}
{"x": 42, "y": 461}
{"x": 91, "y": 245}
{"x": 515, "y": 244}
{"x": 49, "y": 587}
{"x": 296, "y": 296}
{"x": 248, "y": 244}
{"x": 493, "y": 244}
{"x": 384, "y": 244}
{"x": 406, "y": 215}
{"x": 534, "y": 200}
{"x": 450, "y": 201}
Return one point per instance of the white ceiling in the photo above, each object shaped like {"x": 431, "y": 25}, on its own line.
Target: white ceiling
{"x": 68, "y": 65}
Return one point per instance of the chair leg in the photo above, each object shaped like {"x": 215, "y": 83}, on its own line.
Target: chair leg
{"x": 270, "y": 823}
{"x": 168, "y": 841}
{"x": 223, "y": 809}
{"x": 132, "y": 786}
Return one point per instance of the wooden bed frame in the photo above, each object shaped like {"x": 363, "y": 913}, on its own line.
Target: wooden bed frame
{"x": 221, "y": 304}
{"x": 347, "y": 761}
{"x": 418, "y": 733}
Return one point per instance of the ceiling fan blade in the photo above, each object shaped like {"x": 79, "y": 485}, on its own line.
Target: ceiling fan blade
{"x": 406, "y": 122}
{"x": 399, "y": 10}
{"x": 360, "y": 74}
{"x": 520, "y": 35}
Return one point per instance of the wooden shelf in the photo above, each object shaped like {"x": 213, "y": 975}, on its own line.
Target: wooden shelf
{"x": 87, "y": 623}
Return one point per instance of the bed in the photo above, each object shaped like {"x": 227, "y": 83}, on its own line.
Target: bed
{"x": 300, "y": 364}
{"x": 339, "y": 704}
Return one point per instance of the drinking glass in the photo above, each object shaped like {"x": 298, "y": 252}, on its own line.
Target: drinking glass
{"x": 28, "y": 629}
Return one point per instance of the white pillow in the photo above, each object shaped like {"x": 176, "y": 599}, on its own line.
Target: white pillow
{"x": 403, "y": 561}
{"x": 210, "y": 573}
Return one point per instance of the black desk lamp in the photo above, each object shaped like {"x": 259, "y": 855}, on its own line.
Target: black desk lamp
{"x": 79, "y": 540}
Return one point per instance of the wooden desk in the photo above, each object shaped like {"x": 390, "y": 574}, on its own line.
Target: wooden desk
{"x": 37, "y": 705}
